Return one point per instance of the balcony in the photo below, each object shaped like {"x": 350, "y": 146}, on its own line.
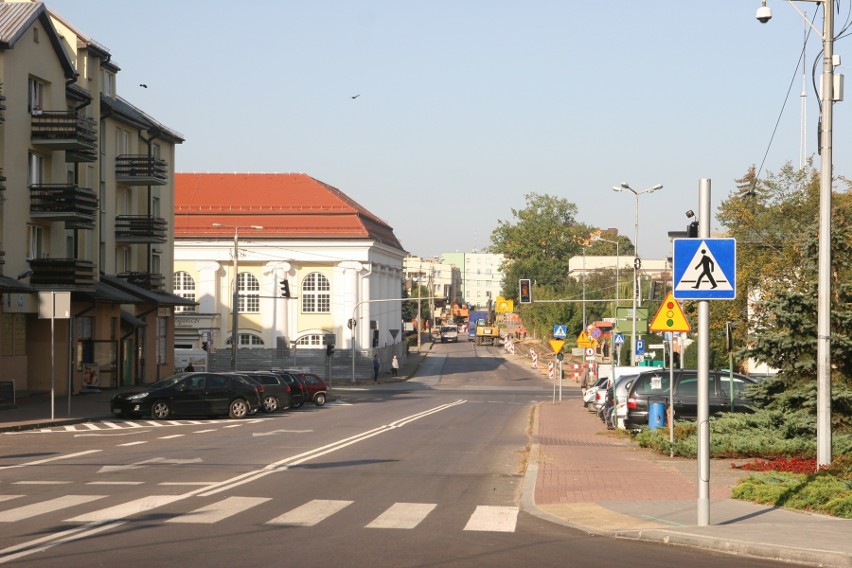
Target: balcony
{"x": 139, "y": 169}
{"x": 2, "y": 183}
{"x": 64, "y": 273}
{"x": 76, "y": 206}
{"x": 2, "y": 257}
{"x": 145, "y": 280}
{"x": 58, "y": 130}
{"x": 140, "y": 229}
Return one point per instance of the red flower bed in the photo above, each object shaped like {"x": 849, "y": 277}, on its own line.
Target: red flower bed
{"x": 806, "y": 466}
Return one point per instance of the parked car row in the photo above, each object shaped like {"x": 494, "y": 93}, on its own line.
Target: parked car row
{"x": 235, "y": 394}
{"x": 636, "y": 391}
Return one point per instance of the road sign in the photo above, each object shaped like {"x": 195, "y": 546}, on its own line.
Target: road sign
{"x": 669, "y": 317}
{"x": 504, "y": 306}
{"x": 556, "y": 345}
{"x": 625, "y": 314}
{"x": 560, "y": 331}
{"x": 590, "y": 351}
{"x": 705, "y": 269}
{"x": 619, "y": 339}
{"x": 640, "y": 346}
{"x": 596, "y": 332}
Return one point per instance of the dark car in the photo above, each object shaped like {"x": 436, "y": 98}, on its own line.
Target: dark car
{"x": 653, "y": 386}
{"x": 276, "y": 392}
{"x": 313, "y": 386}
{"x": 191, "y": 394}
{"x": 297, "y": 388}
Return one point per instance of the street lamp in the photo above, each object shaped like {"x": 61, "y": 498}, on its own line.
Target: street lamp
{"x": 827, "y": 98}
{"x": 235, "y": 298}
{"x": 617, "y": 286}
{"x": 636, "y": 260}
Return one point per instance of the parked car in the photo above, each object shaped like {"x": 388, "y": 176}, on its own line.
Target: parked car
{"x": 590, "y": 395}
{"x": 190, "y": 394}
{"x": 653, "y": 386}
{"x": 297, "y": 387}
{"x": 315, "y": 389}
{"x": 277, "y": 393}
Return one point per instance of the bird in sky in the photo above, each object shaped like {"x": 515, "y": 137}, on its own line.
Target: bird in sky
{"x": 355, "y": 96}
{"x": 143, "y": 85}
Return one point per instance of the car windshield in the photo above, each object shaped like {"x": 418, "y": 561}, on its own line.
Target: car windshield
{"x": 168, "y": 382}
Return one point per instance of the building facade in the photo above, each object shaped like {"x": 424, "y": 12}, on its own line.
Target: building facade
{"x": 342, "y": 266}
{"x": 86, "y": 214}
{"x": 482, "y": 276}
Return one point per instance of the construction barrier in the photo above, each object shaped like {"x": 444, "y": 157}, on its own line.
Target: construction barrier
{"x": 534, "y": 356}
{"x": 550, "y": 370}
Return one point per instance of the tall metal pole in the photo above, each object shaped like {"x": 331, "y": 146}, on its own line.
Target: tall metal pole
{"x": 235, "y": 299}
{"x": 703, "y": 414}
{"x": 824, "y": 277}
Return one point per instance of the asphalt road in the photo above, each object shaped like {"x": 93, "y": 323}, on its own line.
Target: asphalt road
{"x": 423, "y": 473}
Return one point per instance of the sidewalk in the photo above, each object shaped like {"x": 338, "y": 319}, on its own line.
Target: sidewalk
{"x": 601, "y": 482}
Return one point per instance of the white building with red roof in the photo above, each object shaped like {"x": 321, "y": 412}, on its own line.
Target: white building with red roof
{"x": 340, "y": 262}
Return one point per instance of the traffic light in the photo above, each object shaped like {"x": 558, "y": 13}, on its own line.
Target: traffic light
{"x": 329, "y": 350}
{"x": 525, "y": 291}
{"x": 692, "y": 230}
{"x": 285, "y": 288}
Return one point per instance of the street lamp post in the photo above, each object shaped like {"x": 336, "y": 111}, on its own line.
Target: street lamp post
{"x": 636, "y": 260}
{"x": 235, "y": 298}
{"x": 617, "y": 291}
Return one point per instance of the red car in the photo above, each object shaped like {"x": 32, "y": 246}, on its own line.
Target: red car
{"x": 313, "y": 387}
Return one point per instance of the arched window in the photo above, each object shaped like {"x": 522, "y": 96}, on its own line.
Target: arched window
{"x": 184, "y": 286}
{"x": 311, "y": 341}
{"x": 247, "y": 340}
{"x": 316, "y": 294}
{"x": 249, "y": 292}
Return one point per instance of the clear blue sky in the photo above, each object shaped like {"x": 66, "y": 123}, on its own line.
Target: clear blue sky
{"x": 465, "y": 106}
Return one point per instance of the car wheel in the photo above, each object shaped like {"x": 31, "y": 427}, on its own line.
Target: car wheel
{"x": 270, "y": 404}
{"x": 298, "y": 404}
{"x": 319, "y": 399}
{"x": 238, "y": 409}
{"x": 160, "y": 410}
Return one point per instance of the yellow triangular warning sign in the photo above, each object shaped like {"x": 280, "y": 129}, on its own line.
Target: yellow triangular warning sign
{"x": 669, "y": 317}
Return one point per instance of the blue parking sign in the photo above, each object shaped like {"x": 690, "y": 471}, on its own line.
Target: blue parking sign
{"x": 640, "y": 346}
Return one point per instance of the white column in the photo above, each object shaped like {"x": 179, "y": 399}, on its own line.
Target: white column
{"x": 274, "y": 310}
{"x": 348, "y": 297}
{"x": 205, "y": 287}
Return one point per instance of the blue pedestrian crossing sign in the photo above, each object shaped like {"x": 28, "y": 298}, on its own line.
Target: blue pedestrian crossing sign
{"x": 619, "y": 339}
{"x": 705, "y": 269}
{"x": 560, "y": 331}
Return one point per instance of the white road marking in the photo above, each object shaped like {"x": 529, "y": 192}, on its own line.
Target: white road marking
{"x": 171, "y": 436}
{"x": 41, "y": 483}
{"x": 133, "y": 443}
{"x": 499, "y": 519}
{"x": 9, "y": 497}
{"x": 27, "y": 511}
{"x": 115, "y": 482}
{"x": 188, "y": 483}
{"x": 120, "y": 512}
{"x": 402, "y": 516}
{"x": 310, "y": 513}
{"x": 48, "y": 460}
{"x": 221, "y": 510}
{"x": 204, "y": 431}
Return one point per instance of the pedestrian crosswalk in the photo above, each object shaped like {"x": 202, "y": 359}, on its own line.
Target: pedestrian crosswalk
{"x": 399, "y": 516}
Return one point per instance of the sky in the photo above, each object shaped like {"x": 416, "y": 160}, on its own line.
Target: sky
{"x": 439, "y": 116}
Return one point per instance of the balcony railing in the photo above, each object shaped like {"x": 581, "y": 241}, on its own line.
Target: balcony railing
{"x": 77, "y": 206}
{"x": 62, "y": 273}
{"x": 140, "y": 229}
{"x": 145, "y": 280}
{"x": 2, "y": 257}
{"x": 2, "y": 183}
{"x": 139, "y": 169}
{"x": 65, "y": 130}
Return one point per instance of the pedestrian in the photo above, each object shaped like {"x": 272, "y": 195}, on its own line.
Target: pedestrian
{"x": 395, "y": 366}
{"x": 189, "y": 368}
{"x": 376, "y": 365}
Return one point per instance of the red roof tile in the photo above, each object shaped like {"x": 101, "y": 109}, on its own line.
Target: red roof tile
{"x": 286, "y": 205}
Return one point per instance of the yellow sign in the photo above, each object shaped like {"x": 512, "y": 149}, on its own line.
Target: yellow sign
{"x": 669, "y": 317}
{"x": 504, "y": 306}
{"x": 556, "y": 345}
{"x": 584, "y": 340}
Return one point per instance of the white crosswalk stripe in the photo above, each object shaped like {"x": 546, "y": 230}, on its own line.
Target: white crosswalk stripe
{"x": 35, "y": 509}
{"x": 310, "y": 513}
{"x": 401, "y": 515}
{"x": 494, "y": 519}
{"x": 217, "y": 511}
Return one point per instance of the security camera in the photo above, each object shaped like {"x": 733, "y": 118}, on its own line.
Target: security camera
{"x": 764, "y": 14}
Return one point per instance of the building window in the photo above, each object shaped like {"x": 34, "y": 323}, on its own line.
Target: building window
{"x": 36, "y": 97}
{"x": 249, "y": 292}
{"x": 247, "y": 340}
{"x": 184, "y": 286}
{"x": 35, "y": 245}
{"x": 311, "y": 341}
{"x": 316, "y": 294}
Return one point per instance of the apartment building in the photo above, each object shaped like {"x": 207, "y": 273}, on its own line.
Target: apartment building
{"x": 482, "y": 276}
{"x": 85, "y": 215}
{"x": 342, "y": 266}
